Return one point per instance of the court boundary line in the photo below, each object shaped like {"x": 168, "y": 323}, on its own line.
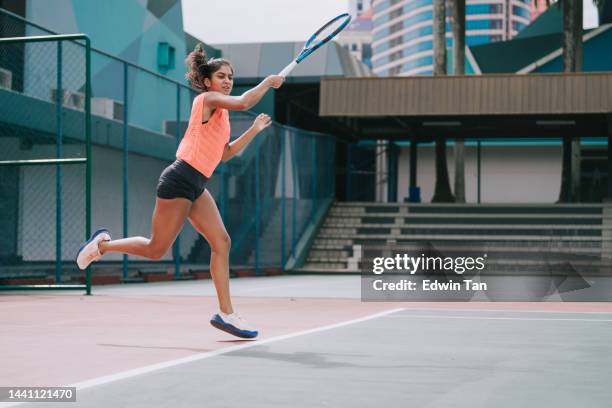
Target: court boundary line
{"x": 460, "y": 310}
{"x": 499, "y": 318}
{"x": 201, "y": 356}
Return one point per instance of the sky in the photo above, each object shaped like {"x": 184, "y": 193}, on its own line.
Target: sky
{"x": 244, "y": 21}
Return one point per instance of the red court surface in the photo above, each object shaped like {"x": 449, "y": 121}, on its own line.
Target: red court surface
{"x": 55, "y": 340}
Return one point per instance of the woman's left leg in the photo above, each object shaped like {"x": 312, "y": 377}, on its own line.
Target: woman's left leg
{"x": 205, "y": 218}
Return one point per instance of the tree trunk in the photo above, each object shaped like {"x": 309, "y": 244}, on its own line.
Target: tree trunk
{"x": 459, "y": 69}
{"x": 572, "y": 35}
{"x": 439, "y": 37}
{"x": 572, "y": 62}
{"x": 566, "y": 170}
{"x": 576, "y": 150}
{"x": 442, "y": 191}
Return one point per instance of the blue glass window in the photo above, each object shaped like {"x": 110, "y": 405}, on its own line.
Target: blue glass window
{"x": 420, "y": 32}
{"x": 520, "y": 11}
{"x": 477, "y": 39}
{"x": 424, "y": 16}
{"x": 404, "y": 10}
{"x": 419, "y": 62}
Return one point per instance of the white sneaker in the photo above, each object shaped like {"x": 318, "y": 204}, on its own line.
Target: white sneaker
{"x": 90, "y": 252}
{"x": 233, "y": 324}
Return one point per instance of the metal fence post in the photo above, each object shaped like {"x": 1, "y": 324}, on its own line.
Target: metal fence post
{"x": 478, "y": 159}
{"x": 333, "y": 147}
{"x": 348, "y": 172}
{"x": 257, "y": 211}
{"x": 314, "y": 178}
{"x": 294, "y": 177}
{"x": 222, "y": 190}
{"x": 177, "y": 243}
{"x": 125, "y": 165}
{"x": 58, "y": 171}
{"x": 283, "y": 201}
{"x": 88, "y": 148}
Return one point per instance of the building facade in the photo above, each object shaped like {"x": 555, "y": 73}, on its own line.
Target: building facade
{"x": 537, "y": 8}
{"x": 357, "y": 37}
{"x": 358, "y": 7}
{"x": 146, "y": 33}
{"x": 402, "y": 42}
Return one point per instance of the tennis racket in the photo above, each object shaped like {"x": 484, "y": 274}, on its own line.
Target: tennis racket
{"x": 318, "y": 39}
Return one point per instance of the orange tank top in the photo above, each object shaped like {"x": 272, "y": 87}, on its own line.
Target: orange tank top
{"x": 203, "y": 144}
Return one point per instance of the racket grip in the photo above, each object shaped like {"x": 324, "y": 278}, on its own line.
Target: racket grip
{"x": 287, "y": 70}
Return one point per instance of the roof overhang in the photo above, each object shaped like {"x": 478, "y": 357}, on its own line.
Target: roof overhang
{"x": 479, "y": 106}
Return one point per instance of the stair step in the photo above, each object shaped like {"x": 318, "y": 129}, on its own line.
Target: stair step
{"x": 517, "y": 238}
{"x": 323, "y": 241}
{"x": 383, "y": 238}
{"x": 451, "y": 206}
{"x": 326, "y": 259}
{"x": 334, "y": 224}
{"x": 341, "y": 214}
{"x": 325, "y": 265}
{"x": 493, "y": 261}
{"x": 492, "y": 251}
{"x": 328, "y": 253}
{"x": 316, "y": 269}
{"x": 470, "y": 209}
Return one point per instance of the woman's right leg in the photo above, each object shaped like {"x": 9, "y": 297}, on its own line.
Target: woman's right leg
{"x": 169, "y": 216}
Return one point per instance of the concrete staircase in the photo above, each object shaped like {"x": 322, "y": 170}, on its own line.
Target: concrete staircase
{"x": 517, "y": 238}
{"x": 270, "y": 238}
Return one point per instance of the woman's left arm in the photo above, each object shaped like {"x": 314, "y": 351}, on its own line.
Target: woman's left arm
{"x": 261, "y": 122}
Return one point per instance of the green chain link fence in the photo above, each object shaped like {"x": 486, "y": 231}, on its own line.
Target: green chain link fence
{"x": 44, "y": 160}
{"x": 267, "y": 195}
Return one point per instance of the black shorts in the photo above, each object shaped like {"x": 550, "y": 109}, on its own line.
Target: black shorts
{"x": 181, "y": 180}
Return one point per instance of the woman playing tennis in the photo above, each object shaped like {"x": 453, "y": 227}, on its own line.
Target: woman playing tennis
{"x": 181, "y": 192}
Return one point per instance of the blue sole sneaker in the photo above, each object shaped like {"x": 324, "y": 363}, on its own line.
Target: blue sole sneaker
{"x": 233, "y": 324}
{"x": 89, "y": 252}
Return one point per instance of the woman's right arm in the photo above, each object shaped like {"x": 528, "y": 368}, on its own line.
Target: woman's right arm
{"x": 248, "y": 99}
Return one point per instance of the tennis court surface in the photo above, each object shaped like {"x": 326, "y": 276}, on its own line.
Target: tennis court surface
{"x": 150, "y": 345}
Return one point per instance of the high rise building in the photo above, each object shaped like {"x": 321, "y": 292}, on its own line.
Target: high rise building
{"x": 402, "y": 42}
{"x": 357, "y": 37}
{"x": 537, "y": 8}
{"x": 358, "y": 7}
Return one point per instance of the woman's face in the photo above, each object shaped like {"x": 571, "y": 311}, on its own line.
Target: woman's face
{"x": 221, "y": 80}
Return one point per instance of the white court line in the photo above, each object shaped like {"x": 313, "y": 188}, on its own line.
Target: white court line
{"x": 500, "y": 318}
{"x": 201, "y": 356}
{"x": 434, "y": 309}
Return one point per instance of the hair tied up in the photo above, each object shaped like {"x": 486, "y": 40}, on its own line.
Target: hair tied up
{"x": 200, "y": 67}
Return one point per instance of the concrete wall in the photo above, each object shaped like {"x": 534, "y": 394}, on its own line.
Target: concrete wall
{"x": 523, "y": 174}
{"x": 129, "y": 29}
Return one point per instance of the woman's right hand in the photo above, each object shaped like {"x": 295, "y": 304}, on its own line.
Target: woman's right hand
{"x": 261, "y": 122}
{"x": 274, "y": 81}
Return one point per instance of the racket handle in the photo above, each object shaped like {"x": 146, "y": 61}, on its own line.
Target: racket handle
{"x": 285, "y": 72}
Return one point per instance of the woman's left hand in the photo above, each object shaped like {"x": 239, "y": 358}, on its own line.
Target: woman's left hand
{"x": 261, "y": 122}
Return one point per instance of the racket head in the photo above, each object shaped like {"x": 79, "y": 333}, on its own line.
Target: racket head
{"x": 324, "y": 34}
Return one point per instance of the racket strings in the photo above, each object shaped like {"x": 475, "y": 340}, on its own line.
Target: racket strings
{"x": 327, "y": 31}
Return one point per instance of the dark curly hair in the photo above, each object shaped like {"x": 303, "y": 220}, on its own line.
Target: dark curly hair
{"x": 200, "y": 68}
